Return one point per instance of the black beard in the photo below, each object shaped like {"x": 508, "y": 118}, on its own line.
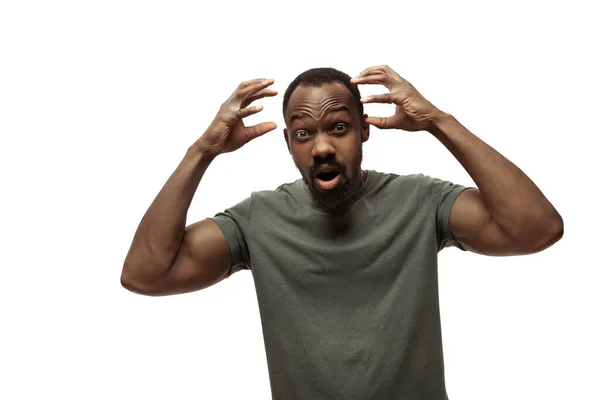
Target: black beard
{"x": 337, "y": 200}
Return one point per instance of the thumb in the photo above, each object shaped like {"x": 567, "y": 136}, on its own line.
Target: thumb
{"x": 257, "y": 130}
{"x": 380, "y": 122}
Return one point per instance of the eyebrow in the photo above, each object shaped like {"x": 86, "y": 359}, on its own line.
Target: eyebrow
{"x": 329, "y": 111}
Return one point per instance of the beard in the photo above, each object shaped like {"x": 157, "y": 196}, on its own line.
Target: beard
{"x": 338, "y": 199}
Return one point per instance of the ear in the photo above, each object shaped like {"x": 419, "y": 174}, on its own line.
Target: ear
{"x": 365, "y": 129}
{"x": 287, "y": 140}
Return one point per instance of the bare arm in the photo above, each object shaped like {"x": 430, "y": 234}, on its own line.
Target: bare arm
{"x": 507, "y": 214}
{"x": 165, "y": 257}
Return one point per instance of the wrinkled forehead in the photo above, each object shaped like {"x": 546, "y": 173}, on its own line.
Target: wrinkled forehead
{"x": 316, "y": 100}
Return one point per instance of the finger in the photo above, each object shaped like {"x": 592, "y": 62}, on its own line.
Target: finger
{"x": 260, "y": 129}
{"x": 259, "y": 95}
{"x": 252, "y": 88}
{"x": 251, "y": 82}
{"x": 245, "y": 112}
{"x": 380, "y": 69}
{"x": 380, "y": 79}
{"x": 379, "y": 98}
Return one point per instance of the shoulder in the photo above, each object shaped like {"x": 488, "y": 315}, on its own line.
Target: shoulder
{"x": 429, "y": 185}
{"x": 409, "y": 182}
{"x": 415, "y": 179}
{"x": 284, "y": 189}
{"x": 417, "y": 187}
{"x": 282, "y": 194}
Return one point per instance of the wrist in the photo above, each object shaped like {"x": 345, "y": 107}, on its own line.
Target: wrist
{"x": 441, "y": 123}
{"x": 200, "y": 154}
{"x": 202, "y": 150}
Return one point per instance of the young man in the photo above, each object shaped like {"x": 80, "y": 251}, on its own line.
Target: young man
{"x": 344, "y": 260}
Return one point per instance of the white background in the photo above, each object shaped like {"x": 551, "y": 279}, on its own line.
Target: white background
{"x": 100, "y": 100}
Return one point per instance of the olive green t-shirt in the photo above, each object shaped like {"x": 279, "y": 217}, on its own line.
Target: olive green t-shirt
{"x": 349, "y": 304}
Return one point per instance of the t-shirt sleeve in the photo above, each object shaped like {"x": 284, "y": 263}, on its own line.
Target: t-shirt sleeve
{"x": 234, "y": 222}
{"x": 444, "y": 194}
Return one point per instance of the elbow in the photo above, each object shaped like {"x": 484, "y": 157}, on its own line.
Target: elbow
{"x": 135, "y": 285}
{"x": 556, "y": 231}
{"x": 551, "y": 233}
{"x": 127, "y": 282}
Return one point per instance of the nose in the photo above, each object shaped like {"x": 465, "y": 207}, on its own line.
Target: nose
{"x": 322, "y": 147}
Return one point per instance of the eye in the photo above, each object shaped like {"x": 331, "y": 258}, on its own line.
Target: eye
{"x": 302, "y": 134}
{"x": 340, "y": 127}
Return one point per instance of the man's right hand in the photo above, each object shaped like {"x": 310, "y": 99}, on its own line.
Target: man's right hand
{"x": 227, "y": 132}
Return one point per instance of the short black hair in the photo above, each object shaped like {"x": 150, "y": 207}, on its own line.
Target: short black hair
{"x": 318, "y": 76}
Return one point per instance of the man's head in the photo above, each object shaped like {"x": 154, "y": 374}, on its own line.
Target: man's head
{"x": 325, "y": 128}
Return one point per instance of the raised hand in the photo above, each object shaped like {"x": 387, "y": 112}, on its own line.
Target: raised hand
{"x": 413, "y": 111}
{"x": 227, "y": 131}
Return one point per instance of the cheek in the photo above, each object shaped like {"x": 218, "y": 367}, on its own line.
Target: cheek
{"x": 300, "y": 161}
{"x": 350, "y": 146}
{"x": 300, "y": 153}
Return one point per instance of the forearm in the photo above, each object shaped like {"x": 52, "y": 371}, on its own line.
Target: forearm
{"x": 516, "y": 204}
{"x": 160, "y": 233}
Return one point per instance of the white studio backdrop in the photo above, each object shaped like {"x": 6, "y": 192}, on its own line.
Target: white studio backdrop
{"x": 100, "y": 100}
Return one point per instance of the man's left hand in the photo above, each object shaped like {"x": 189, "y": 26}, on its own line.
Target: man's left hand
{"x": 413, "y": 111}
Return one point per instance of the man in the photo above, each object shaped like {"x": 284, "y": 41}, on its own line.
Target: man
{"x": 344, "y": 260}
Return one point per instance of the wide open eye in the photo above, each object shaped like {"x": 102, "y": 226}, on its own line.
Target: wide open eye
{"x": 302, "y": 134}
{"x": 340, "y": 127}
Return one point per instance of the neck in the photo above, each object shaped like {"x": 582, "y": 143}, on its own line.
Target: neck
{"x": 363, "y": 178}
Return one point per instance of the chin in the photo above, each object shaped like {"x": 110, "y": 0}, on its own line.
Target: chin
{"x": 336, "y": 199}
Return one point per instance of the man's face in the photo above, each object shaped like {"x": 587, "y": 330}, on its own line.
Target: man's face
{"x": 324, "y": 130}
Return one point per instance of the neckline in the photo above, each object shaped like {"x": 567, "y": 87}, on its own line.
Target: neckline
{"x": 367, "y": 184}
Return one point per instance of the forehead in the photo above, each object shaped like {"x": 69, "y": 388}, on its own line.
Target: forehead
{"x": 317, "y": 99}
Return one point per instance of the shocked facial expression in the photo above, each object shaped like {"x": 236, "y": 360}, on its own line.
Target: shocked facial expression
{"x": 324, "y": 135}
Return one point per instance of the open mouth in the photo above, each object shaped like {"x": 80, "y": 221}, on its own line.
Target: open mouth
{"x": 328, "y": 180}
{"x": 327, "y": 176}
